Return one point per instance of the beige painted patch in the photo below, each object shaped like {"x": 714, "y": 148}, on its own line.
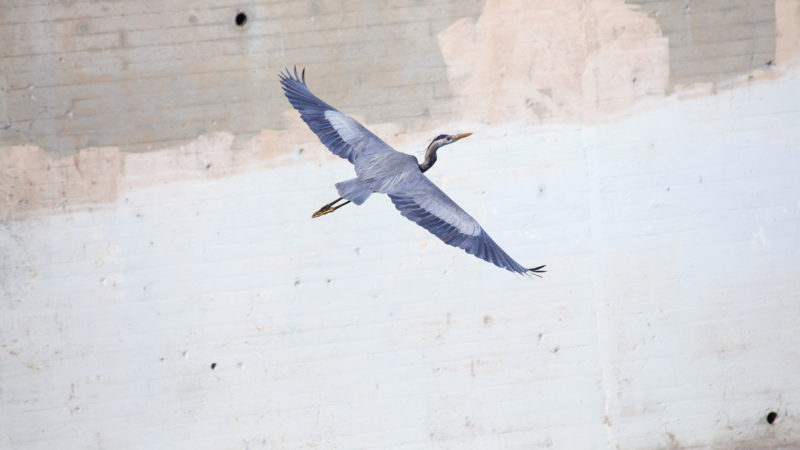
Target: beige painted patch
{"x": 561, "y": 61}
{"x": 787, "y": 24}
{"x": 33, "y": 179}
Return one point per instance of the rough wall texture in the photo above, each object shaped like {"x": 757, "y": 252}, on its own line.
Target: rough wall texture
{"x": 715, "y": 40}
{"x": 161, "y": 284}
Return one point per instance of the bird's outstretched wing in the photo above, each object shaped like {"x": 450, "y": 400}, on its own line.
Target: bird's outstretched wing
{"x": 425, "y": 204}
{"x": 344, "y": 136}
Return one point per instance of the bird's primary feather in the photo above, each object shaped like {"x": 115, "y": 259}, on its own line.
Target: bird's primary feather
{"x": 341, "y": 134}
{"x": 425, "y": 204}
{"x": 382, "y": 169}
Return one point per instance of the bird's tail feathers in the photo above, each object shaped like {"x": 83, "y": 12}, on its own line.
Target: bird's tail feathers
{"x": 355, "y": 190}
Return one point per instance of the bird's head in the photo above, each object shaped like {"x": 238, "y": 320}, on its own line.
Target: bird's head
{"x": 437, "y": 143}
{"x": 444, "y": 139}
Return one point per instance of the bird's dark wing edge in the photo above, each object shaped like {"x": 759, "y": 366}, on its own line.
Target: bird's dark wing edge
{"x": 340, "y": 134}
{"x": 410, "y": 204}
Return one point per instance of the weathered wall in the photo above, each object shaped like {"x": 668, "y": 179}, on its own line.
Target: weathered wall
{"x": 162, "y": 285}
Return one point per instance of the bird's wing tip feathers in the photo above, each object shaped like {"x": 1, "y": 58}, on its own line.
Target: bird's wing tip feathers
{"x": 536, "y": 271}
{"x": 287, "y": 75}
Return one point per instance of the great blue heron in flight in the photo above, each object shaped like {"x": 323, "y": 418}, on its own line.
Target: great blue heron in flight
{"x": 380, "y": 168}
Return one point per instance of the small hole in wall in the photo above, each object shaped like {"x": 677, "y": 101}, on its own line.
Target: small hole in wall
{"x": 771, "y": 417}
{"x": 241, "y": 19}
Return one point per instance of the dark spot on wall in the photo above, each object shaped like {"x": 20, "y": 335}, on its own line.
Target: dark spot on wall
{"x": 772, "y": 416}
{"x": 241, "y": 19}
{"x": 213, "y": 365}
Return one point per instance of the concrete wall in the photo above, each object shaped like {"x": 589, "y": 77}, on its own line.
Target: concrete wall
{"x": 162, "y": 284}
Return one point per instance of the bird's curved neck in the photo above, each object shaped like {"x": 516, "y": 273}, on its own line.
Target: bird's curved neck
{"x": 430, "y": 157}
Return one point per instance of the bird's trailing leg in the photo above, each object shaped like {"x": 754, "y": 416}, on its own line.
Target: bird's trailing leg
{"x": 329, "y": 208}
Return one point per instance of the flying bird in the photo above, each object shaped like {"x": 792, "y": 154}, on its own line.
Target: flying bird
{"x": 382, "y": 169}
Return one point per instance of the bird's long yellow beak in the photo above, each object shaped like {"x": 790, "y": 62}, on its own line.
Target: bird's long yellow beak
{"x": 461, "y": 136}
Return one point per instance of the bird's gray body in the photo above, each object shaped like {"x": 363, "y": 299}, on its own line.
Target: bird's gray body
{"x": 382, "y": 169}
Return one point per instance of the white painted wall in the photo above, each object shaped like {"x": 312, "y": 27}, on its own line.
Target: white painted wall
{"x": 668, "y": 318}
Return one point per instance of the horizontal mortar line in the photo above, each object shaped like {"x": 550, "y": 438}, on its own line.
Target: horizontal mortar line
{"x": 311, "y": 31}
{"x": 289, "y": 272}
{"x": 181, "y": 13}
{"x": 139, "y": 17}
{"x": 302, "y": 313}
{"x": 237, "y": 5}
{"x": 246, "y": 37}
{"x": 185, "y": 73}
{"x": 694, "y": 13}
{"x": 701, "y": 213}
{"x": 703, "y": 41}
{"x": 297, "y": 442}
{"x": 701, "y": 71}
{"x": 171, "y": 303}
{"x": 163, "y": 30}
{"x": 21, "y": 4}
{"x": 717, "y": 55}
{"x": 255, "y": 194}
{"x": 187, "y": 41}
{"x": 175, "y": 74}
{"x": 174, "y": 111}
{"x": 244, "y": 87}
{"x": 257, "y": 338}
{"x": 70, "y": 131}
{"x": 120, "y": 49}
{"x": 331, "y": 405}
{"x": 684, "y": 23}
{"x": 230, "y": 260}
{"x": 109, "y": 16}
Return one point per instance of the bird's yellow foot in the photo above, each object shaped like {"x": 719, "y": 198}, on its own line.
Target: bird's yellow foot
{"x": 322, "y": 211}
{"x": 329, "y": 208}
